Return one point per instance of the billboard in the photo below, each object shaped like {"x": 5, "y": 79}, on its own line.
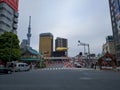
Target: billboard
{"x": 12, "y": 3}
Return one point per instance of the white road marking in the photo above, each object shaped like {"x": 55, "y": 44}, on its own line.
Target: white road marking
{"x": 67, "y": 69}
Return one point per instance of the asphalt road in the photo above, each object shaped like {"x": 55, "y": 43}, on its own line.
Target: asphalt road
{"x": 61, "y": 79}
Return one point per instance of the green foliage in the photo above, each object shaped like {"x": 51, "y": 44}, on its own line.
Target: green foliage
{"x": 9, "y": 47}
{"x": 43, "y": 65}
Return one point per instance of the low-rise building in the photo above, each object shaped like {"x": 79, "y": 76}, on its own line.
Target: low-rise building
{"x": 108, "y": 46}
{"x": 30, "y": 55}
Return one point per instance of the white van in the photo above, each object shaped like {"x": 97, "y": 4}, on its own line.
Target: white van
{"x": 19, "y": 66}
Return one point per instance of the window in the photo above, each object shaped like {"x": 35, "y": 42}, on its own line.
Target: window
{"x": 22, "y": 65}
{"x": 111, "y": 1}
{"x": 111, "y": 8}
{"x": 3, "y": 23}
{"x": 26, "y": 65}
{"x": 2, "y": 15}
{"x": 3, "y": 8}
{"x": 19, "y": 65}
{"x": 113, "y": 23}
{"x": 113, "y": 18}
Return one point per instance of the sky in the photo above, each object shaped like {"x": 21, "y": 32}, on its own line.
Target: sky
{"x": 84, "y": 20}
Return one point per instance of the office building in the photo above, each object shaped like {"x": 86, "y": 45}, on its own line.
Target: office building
{"x": 114, "y": 6}
{"x": 61, "y": 46}
{"x": 61, "y": 42}
{"x": 46, "y": 44}
{"x": 109, "y": 46}
{"x": 8, "y": 16}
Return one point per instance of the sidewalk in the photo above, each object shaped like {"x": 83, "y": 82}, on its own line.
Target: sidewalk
{"x": 108, "y": 68}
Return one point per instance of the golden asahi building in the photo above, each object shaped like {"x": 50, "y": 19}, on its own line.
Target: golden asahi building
{"x": 46, "y": 44}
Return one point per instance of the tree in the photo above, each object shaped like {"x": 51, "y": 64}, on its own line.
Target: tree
{"x": 9, "y": 47}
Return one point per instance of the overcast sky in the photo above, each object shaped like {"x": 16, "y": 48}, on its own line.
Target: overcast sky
{"x": 84, "y": 20}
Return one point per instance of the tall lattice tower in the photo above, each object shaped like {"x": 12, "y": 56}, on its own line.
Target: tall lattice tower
{"x": 29, "y": 31}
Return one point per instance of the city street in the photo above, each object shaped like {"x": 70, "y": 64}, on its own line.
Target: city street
{"x": 59, "y": 44}
{"x": 61, "y": 79}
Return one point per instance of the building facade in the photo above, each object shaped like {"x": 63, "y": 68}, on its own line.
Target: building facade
{"x": 61, "y": 42}
{"x": 8, "y": 16}
{"x": 24, "y": 43}
{"x": 114, "y": 6}
{"x": 61, "y": 45}
{"x": 46, "y": 44}
{"x": 109, "y": 46}
{"x": 30, "y": 55}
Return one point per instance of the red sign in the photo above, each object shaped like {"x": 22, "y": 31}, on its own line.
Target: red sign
{"x": 12, "y": 3}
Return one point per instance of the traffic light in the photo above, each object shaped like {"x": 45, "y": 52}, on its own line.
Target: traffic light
{"x": 80, "y": 53}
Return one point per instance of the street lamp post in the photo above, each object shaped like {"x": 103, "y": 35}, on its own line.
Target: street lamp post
{"x": 84, "y": 44}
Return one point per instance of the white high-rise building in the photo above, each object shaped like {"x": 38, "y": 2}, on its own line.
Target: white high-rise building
{"x": 8, "y": 16}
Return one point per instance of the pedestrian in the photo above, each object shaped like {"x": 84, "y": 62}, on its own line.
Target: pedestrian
{"x": 95, "y": 65}
{"x": 92, "y": 65}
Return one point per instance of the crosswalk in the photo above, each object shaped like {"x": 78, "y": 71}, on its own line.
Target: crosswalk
{"x": 80, "y": 69}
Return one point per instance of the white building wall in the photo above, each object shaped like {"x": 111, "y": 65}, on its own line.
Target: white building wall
{"x": 8, "y": 19}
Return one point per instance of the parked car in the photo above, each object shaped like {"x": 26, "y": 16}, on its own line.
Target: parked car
{"x": 77, "y": 65}
{"x": 5, "y": 70}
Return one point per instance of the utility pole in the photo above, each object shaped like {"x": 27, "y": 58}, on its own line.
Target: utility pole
{"x": 84, "y": 44}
